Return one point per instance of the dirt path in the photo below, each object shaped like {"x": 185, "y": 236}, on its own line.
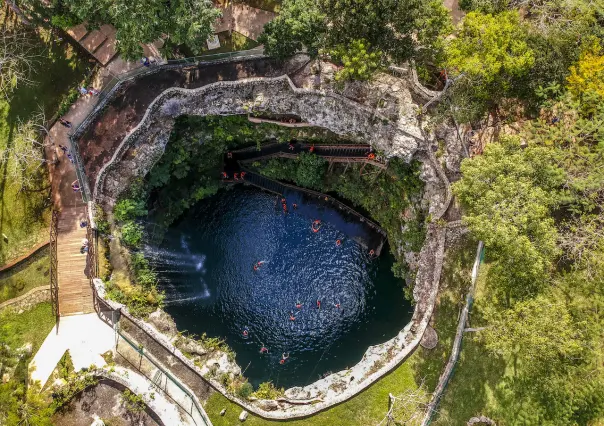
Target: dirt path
{"x": 125, "y": 111}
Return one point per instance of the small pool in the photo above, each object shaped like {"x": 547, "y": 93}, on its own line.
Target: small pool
{"x": 205, "y": 265}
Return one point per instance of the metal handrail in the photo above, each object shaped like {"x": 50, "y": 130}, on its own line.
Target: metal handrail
{"x": 141, "y": 350}
{"x": 54, "y": 280}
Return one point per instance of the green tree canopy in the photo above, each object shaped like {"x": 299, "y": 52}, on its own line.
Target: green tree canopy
{"x": 400, "y": 29}
{"x": 538, "y": 331}
{"x": 508, "y": 194}
{"x": 492, "y": 52}
{"x": 300, "y": 24}
{"x": 145, "y": 21}
{"x": 359, "y": 63}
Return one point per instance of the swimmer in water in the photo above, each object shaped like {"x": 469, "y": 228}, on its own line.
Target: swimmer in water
{"x": 263, "y": 350}
{"x": 318, "y": 304}
{"x": 291, "y": 316}
{"x": 337, "y": 304}
{"x": 284, "y": 357}
{"x": 295, "y": 206}
{"x": 338, "y": 243}
{"x": 298, "y": 305}
{"x": 256, "y": 267}
{"x": 245, "y": 332}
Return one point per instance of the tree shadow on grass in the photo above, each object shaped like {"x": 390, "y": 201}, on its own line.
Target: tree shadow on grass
{"x": 477, "y": 372}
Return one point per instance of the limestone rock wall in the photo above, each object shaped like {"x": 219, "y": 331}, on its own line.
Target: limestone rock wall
{"x": 146, "y": 143}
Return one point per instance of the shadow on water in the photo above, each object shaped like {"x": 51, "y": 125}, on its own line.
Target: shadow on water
{"x": 205, "y": 265}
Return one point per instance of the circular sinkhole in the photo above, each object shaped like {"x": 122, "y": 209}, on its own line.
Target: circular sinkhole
{"x": 205, "y": 265}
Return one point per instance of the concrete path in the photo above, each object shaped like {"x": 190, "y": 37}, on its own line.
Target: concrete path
{"x": 85, "y": 336}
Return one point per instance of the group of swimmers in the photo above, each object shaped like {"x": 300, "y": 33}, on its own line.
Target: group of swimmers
{"x": 284, "y": 357}
{"x": 236, "y": 176}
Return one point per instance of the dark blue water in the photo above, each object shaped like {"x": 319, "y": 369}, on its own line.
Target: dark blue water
{"x": 205, "y": 265}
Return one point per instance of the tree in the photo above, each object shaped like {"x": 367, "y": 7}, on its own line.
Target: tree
{"x": 539, "y": 332}
{"x": 492, "y": 52}
{"x": 508, "y": 194}
{"x": 145, "y": 21}
{"x": 586, "y": 79}
{"x": 17, "y": 59}
{"x": 359, "y": 61}
{"x": 300, "y": 24}
{"x": 397, "y": 28}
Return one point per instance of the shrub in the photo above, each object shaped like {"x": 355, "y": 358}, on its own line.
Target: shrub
{"x": 64, "y": 21}
{"x": 132, "y": 234}
{"x": 18, "y": 284}
{"x": 65, "y": 366}
{"x": 74, "y": 386}
{"x": 268, "y": 390}
{"x": 132, "y": 402}
{"x": 129, "y": 209}
{"x": 360, "y": 63}
{"x": 245, "y": 390}
{"x": 311, "y": 170}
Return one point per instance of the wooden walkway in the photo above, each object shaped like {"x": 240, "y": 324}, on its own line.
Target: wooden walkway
{"x": 75, "y": 293}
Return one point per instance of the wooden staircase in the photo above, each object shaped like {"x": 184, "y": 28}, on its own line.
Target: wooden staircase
{"x": 100, "y": 42}
{"x": 75, "y": 292}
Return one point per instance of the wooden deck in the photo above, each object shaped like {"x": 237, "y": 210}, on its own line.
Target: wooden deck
{"x": 75, "y": 293}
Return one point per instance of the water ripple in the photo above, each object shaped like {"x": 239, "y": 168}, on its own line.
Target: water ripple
{"x": 205, "y": 265}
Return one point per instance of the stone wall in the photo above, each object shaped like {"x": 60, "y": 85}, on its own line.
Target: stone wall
{"x": 27, "y": 301}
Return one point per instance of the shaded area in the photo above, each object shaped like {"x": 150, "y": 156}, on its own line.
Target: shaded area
{"x": 477, "y": 374}
{"x": 34, "y": 273}
{"x": 205, "y": 265}
{"x": 57, "y": 67}
{"x": 104, "y": 401}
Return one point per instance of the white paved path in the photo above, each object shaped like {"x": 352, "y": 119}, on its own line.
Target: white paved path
{"x": 86, "y": 337}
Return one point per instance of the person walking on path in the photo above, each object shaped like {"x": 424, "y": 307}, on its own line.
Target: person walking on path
{"x": 65, "y": 123}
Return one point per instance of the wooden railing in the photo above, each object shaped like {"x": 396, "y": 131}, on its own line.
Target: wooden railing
{"x": 54, "y": 280}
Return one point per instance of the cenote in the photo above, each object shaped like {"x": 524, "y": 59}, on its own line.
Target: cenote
{"x": 205, "y": 266}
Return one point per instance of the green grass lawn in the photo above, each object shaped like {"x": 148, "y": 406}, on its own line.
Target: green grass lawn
{"x": 29, "y": 327}
{"x": 24, "y": 215}
{"x": 478, "y": 374}
{"x": 367, "y": 408}
{"x": 35, "y": 274}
